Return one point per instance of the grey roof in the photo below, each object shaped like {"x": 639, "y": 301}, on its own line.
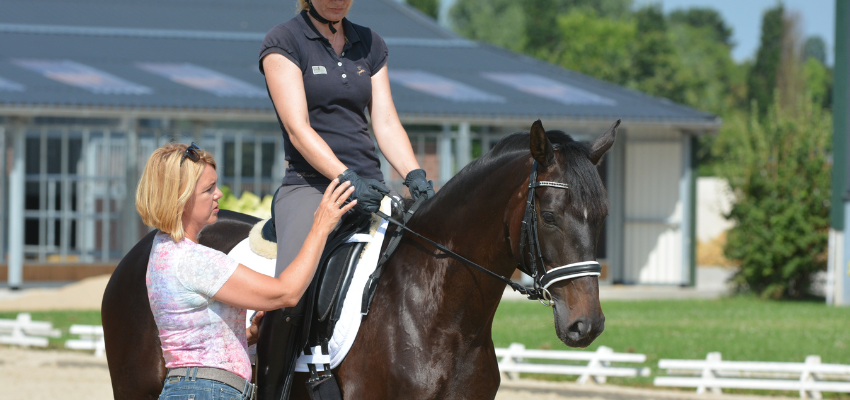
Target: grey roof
{"x": 114, "y": 36}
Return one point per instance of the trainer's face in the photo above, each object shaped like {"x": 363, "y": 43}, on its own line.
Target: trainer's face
{"x": 202, "y": 209}
{"x": 332, "y": 10}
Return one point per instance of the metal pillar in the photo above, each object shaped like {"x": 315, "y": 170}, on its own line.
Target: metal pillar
{"x": 444, "y": 150}
{"x": 17, "y": 191}
{"x": 686, "y": 193}
{"x": 840, "y": 212}
{"x": 464, "y": 145}
{"x": 131, "y": 173}
{"x": 615, "y": 223}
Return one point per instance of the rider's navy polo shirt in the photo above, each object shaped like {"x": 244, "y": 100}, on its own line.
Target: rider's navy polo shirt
{"x": 338, "y": 89}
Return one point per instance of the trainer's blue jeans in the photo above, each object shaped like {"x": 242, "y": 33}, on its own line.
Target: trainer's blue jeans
{"x": 182, "y": 388}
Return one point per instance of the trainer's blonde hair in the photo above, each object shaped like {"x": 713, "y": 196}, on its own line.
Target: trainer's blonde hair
{"x": 166, "y": 186}
{"x": 301, "y": 5}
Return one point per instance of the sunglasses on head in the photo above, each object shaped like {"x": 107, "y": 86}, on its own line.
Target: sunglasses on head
{"x": 193, "y": 152}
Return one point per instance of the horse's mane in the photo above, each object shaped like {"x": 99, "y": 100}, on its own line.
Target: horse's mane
{"x": 586, "y": 191}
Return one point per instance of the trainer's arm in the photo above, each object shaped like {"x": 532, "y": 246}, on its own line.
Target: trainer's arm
{"x": 249, "y": 289}
{"x": 390, "y": 134}
{"x": 286, "y": 86}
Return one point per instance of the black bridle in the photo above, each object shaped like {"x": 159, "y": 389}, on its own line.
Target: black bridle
{"x": 537, "y": 270}
{"x": 528, "y": 237}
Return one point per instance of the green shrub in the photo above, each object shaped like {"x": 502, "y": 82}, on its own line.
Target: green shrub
{"x": 779, "y": 172}
{"x": 249, "y": 203}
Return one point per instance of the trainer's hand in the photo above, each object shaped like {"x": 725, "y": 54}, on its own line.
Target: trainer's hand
{"x": 418, "y": 185}
{"x": 367, "y": 192}
{"x": 253, "y": 331}
{"x": 333, "y": 206}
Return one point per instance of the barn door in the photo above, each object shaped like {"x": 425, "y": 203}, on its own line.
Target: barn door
{"x": 653, "y": 242}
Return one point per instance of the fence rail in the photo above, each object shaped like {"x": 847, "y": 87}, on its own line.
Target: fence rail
{"x": 810, "y": 378}
{"x": 23, "y": 331}
{"x": 91, "y": 338}
{"x": 514, "y": 360}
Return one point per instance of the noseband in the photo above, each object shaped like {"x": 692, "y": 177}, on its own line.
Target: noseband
{"x": 542, "y": 278}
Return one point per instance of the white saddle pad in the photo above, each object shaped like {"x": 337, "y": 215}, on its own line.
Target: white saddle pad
{"x": 349, "y": 321}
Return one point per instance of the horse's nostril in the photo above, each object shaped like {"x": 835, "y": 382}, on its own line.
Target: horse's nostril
{"x": 579, "y": 329}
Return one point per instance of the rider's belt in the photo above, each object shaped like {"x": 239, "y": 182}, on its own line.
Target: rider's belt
{"x": 237, "y": 382}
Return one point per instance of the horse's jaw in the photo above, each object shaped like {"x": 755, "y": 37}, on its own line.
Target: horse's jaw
{"x": 578, "y": 322}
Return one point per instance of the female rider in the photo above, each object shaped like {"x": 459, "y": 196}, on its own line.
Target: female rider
{"x": 323, "y": 73}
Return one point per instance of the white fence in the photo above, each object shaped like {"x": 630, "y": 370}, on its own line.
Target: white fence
{"x": 810, "y": 378}
{"x": 514, "y": 360}
{"x": 23, "y": 331}
{"x": 91, "y": 338}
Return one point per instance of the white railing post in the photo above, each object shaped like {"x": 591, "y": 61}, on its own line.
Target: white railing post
{"x": 711, "y": 364}
{"x": 808, "y": 376}
{"x": 514, "y": 355}
{"x": 596, "y": 363}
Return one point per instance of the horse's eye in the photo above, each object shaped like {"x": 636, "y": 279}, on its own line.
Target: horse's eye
{"x": 549, "y": 217}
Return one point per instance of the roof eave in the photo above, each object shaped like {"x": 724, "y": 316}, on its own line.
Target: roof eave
{"x": 692, "y": 126}
{"x": 89, "y": 111}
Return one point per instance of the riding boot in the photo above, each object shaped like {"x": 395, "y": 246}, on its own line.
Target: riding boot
{"x": 281, "y": 341}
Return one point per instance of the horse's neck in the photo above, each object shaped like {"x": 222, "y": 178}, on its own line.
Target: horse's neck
{"x": 470, "y": 222}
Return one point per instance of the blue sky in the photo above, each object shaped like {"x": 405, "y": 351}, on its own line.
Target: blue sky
{"x": 744, "y": 16}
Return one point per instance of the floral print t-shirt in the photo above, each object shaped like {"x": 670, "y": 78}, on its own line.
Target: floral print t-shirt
{"x": 195, "y": 330}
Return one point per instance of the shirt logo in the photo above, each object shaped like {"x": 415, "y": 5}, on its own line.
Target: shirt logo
{"x": 360, "y": 70}
{"x": 319, "y": 70}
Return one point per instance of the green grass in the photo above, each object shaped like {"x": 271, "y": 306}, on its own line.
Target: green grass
{"x": 61, "y": 320}
{"x": 741, "y": 328}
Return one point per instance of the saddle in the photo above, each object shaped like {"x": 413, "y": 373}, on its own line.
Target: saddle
{"x": 285, "y": 333}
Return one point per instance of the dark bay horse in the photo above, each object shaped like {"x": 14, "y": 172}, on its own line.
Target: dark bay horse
{"x": 428, "y": 334}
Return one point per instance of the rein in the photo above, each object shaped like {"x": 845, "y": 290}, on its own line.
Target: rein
{"x": 542, "y": 278}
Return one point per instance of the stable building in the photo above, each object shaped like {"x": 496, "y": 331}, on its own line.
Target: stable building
{"x": 89, "y": 89}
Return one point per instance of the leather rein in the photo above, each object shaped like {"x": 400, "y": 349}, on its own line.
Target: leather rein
{"x": 537, "y": 270}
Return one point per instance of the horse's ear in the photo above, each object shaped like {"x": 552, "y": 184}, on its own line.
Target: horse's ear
{"x": 601, "y": 145}
{"x": 541, "y": 147}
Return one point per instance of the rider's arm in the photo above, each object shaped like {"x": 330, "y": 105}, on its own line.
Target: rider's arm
{"x": 286, "y": 87}
{"x": 249, "y": 289}
{"x": 390, "y": 134}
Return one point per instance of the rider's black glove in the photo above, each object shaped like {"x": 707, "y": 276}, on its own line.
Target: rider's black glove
{"x": 418, "y": 185}
{"x": 367, "y": 192}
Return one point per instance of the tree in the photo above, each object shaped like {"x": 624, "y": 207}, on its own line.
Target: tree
{"x": 815, "y": 48}
{"x": 599, "y": 47}
{"x": 656, "y": 66}
{"x": 778, "y": 169}
{"x": 708, "y": 18}
{"x": 430, "y": 8}
{"x": 707, "y": 67}
{"x": 525, "y": 26}
{"x": 818, "y": 80}
{"x": 500, "y": 22}
{"x": 761, "y": 79}
{"x": 541, "y": 29}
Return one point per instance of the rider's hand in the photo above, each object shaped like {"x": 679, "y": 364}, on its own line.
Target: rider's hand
{"x": 418, "y": 185}
{"x": 333, "y": 206}
{"x": 253, "y": 331}
{"x": 367, "y": 192}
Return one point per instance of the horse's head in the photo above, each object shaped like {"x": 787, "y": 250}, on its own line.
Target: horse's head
{"x": 569, "y": 220}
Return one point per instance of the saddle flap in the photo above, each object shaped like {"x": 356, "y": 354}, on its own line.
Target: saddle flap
{"x": 334, "y": 276}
